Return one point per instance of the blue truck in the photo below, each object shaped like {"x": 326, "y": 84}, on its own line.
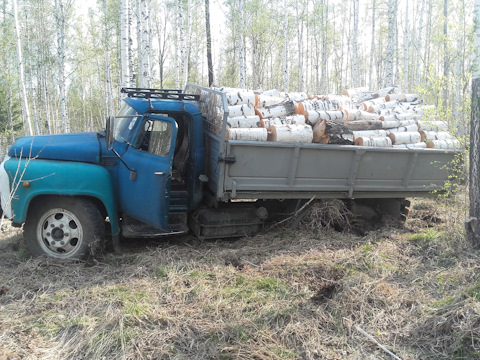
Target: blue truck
{"x": 164, "y": 166}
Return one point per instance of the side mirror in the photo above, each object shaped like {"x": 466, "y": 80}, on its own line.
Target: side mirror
{"x": 110, "y": 125}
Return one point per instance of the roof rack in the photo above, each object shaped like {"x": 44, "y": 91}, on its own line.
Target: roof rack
{"x": 171, "y": 94}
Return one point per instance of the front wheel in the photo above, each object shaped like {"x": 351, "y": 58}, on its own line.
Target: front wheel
{"x": 63, "y": 228}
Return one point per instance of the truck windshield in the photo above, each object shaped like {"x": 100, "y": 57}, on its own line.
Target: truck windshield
{"x": 124, "y": 123}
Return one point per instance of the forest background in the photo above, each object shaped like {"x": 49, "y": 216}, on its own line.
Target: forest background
{"x": 63, "y": 62}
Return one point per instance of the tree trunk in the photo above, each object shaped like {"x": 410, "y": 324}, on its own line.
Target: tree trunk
{"x": 283, "y": 109}
{"x": 245, "y": 122}
{"x": 145, "y": 80}
{"x": 60, "y": 22}
{"x": 241, "y": 47}
{"x": 372, "y": 48}
{"x": 258, "y": 134}
{"x": 241, "y": 110}
{"x": 108, "y": 75}
{"x": 131, "y": 70}
{"x": 338, "y": 116}
{"x": 355, "y": 57}
{"x": 178, "y": 42}
{"x": 405, "y": 49}
{"x": 209, "y": 43}
{"x": 407, "y": 137}
{"x": 185, "y": 69}
{"x": 290, "y": 133}
{"x": 373, "y": 141}
{"x": 392, "y": 17}
{"x": 285, "y": 120}
{"x": 285, "y": 47}
{"x": 124, "y": 43}
{"x": 445, "y": 55}
{"x": 23, "y": 89}
{"x": 473, "y": 223}
{"x": 241, "y": 97}
{"x": 419, "y": 46}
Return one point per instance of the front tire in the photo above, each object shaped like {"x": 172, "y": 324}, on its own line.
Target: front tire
{"x": 63, "y": 228}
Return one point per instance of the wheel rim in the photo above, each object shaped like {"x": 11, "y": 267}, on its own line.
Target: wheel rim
{"x": 60, "y": 233}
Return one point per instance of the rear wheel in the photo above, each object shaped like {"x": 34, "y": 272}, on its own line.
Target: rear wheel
{"x": 63, "y": 228}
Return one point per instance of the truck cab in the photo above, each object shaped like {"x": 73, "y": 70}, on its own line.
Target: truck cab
{"x": 142, "y": 175}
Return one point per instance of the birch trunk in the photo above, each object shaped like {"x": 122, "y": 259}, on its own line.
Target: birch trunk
{"x": 185, "y": 70}
{"x": 285, "y": 48}
{"x": 372, "y": 48}
{"x": 284, "y": 109}
{"x": 259, "y": 134}
{"x": 245, "y": 122}
{"x": 445, "y": 54}
{"x": 178, "y": 41}
{"x": 408, "y": 137}
{"x": 145, "y": 49}
{"x": 427, "y": 125}
{"x": 108, "y": 84}
{"x": 405, "y": 49}
{"x": 392, "y": 14}
{"x": 355, "y": 57}
{"x": 242, "y": 97}
{"x": 286, "y": 120}
{"x": 300, "y": 21}
{"x": 373, "y": 141}
{"x": 290, "y": 133}
{"x": 447, "y": 144}
{"x": 419, "y": 45}
{"x": 334, "y": 115}
{"x": 124, "y": 43}
{"x": 324, "y": 72}
{"x": 60, "y": 22}
{"x": 131, "y": 69}
{"x": 23, "y": 89}
{"x": 241, "y": 110}
{"x": 437, "y": 135}
{"x": 241, "y": 47}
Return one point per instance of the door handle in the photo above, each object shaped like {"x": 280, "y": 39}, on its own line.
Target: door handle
{"x": 159, "y": 173}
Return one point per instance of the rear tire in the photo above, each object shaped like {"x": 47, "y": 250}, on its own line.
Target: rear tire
{"x": 63, "y": 228}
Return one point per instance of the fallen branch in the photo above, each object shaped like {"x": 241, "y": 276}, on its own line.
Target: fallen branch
{"x": 371, "y": 338}
{"x": 295, "y": 214}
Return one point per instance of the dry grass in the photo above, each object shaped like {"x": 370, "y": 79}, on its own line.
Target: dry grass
{"x": 282, "y": 295}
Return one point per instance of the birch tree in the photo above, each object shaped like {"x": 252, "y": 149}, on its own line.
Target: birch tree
{"x": 355, "y": 57}
{"x": 392, "y": 16}
{"x": 445, "y": 55}
{"x": 405, "y": 49}
{"x": 241, "y": 45}
{"x": 372, "y": 48}
{"x": 125, "y": 43}
{"x": 145, "y": 79}
{"x": 23, "y": 89}
{"x": 473, "y": 224}
{"x": 108, "y": 83}
{"x": 285, "y": 47}
{"x": 60, "y": 22}
{"x": 419, "y": 45}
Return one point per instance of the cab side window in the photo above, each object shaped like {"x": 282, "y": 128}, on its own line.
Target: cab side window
{"x": 157, "y": 138}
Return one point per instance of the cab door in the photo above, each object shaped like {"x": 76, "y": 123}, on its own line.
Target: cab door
{"x": 145, "y": 191}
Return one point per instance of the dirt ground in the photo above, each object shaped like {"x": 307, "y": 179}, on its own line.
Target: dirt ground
{"x": 314, "y": 293}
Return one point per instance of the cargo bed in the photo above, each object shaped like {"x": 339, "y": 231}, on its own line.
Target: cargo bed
{"x": 273, "y": 170}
